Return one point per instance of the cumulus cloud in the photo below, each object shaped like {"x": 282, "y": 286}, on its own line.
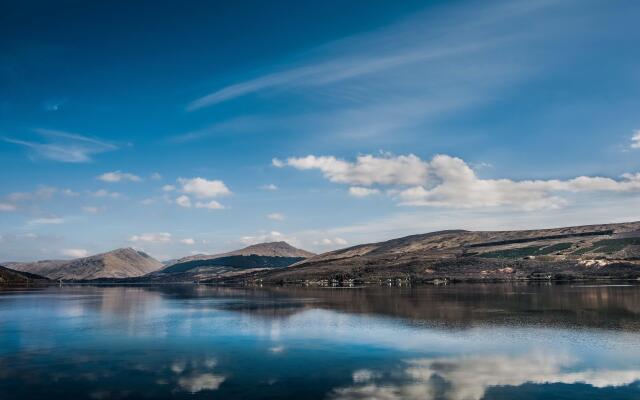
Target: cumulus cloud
{"x": 366, "y": 170}
{"x": 468, "y": 378}
{"x": 188, "y": 241}
{"x": 74, "y": 253}
{"x": 359, "y": 191}
{"x": 161, "y": 237}
{"x": 64, "y": 146}
{"x": 183, "y": 201}
{"x": 156, "y": 176}
{"x": 276, "y": 216}
{"x": 211, "y": 205}
{"x": 119, "y": 176}
{"x": 91, "y": 209}
{"x": 446, "y": 181}
{"x": 269, "y": 186}
{"x": 635, "y": 140}
{"x": 203, "y": 188}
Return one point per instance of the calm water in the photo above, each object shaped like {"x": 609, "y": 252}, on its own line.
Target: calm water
{"x": 462, "y": 342}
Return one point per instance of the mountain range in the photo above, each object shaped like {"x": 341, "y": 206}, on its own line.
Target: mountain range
{"x": 581, "y": 252}
{"x": 119, "y": 263}
{"x": 610, "y": 251}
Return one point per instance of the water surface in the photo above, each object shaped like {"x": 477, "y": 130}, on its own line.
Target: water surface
{"x": 458, "y": 342}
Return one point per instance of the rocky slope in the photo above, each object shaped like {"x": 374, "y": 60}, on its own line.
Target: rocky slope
{"x": 12, "y": 277}
{"x": 120, "y": 263}
{"x": 595, "y": 251}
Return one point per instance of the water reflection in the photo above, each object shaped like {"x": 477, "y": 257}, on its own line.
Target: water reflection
{"x": 469, "y": 377}
{"x": 466, "y": 342}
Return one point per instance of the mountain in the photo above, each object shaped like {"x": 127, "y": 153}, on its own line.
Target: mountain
{"x": 581, "y": 252}
{"x": 12, "y": 277}
{"x": 268, "y": 249}
{"x": 119, "y": 263}
{"x": 234, "y": 263}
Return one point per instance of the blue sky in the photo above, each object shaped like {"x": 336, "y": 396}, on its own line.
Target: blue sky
{"x": 183, "y": 127}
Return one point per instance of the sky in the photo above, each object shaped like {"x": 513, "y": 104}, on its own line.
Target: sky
{"x": 198, "y": 127}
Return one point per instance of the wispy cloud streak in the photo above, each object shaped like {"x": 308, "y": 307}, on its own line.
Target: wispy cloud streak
{"x": 64, "y": 146}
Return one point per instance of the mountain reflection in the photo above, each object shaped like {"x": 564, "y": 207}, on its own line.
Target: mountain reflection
{"x": 459, "y": 306}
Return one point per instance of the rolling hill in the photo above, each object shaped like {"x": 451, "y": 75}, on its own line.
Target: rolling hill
{"x": 594, "y": 251}
{"x": 12, "y": 277}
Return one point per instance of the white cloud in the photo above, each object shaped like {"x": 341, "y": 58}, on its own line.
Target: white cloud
{"x": 74, "y": 253}
{"x": 47, "y": 221}
{"x": 168, "y": 188}
{"x": 203, "y": 188}
{"x": 156, "y": 176}
{"x": 161, "y": 237}
{"x": 119, "y": 176}
{"x": 272, "y": 236}
{"x": 183, "y": 201}
{"x": 91, "y": 209}
{"x": 6, "y": 207}
{"x": 635, "y": 140}
{"x": 276, "y": 216}
{"x": 105, "y": 193}
{"x": 188, "y": 241}
{"x": 64, "y": 146}
{"x": 42, "y": 193}
{"x": 337, "y": 241}
{"x": 211, "y": 205}
{"x": 366, "y": 171}
{"x": 269, "y": 186}
{"x": 447, "y": 181}
{"x": 359, "y": 191}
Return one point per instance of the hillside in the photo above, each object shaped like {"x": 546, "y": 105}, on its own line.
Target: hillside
{"x": 119, "y": 263}
{"x": 268, "y": 249}
{"x": 12, "y": 277}
{"x": 595, "y": 251}
{"x": 231, "y": 264}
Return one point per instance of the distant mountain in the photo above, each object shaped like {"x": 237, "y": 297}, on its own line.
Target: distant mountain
{"x": 595, "y": 251}
{"x": 268, "y": 249}
{"x": 120, "y": 263}
{"x": 234, "y": 263}
{"x": 12, "y": 277}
